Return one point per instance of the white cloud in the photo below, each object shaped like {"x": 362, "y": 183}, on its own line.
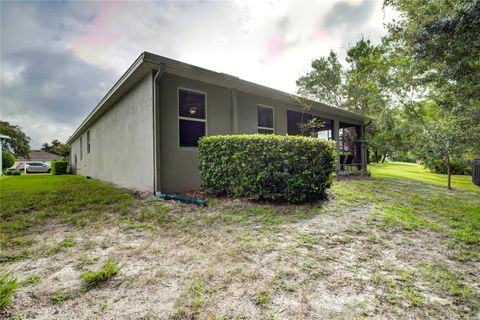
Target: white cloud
{"x": 270, "y": 42}
{"x": 267, "y": 42}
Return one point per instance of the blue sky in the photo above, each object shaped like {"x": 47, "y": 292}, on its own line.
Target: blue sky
{"x": 58, "y": 59}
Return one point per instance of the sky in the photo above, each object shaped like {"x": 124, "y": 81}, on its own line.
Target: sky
{"x": 58, "y": 59}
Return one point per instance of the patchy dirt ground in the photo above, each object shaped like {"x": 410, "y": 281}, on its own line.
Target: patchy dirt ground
{"x": 376, "y": 248}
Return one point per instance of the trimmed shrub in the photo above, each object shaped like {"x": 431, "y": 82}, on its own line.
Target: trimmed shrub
{"x": 459, "y": 166}
{"x": 59, "y": 167}
{"x": 11, "y": 172}
{"x": 8, "y": 159}
{"x": 404, "y": 157}
{"x": 272, "y": 167}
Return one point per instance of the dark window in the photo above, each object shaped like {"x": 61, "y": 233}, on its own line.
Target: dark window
{"x": 35, "y": 164}
{"x": 265, "y": 131}
{"x": 190, "y": 132}
{"x": 88, "y": 141}
{"x": 295, "y": 119}
{"x": 191, "y": 104}
{"x": 192, "y": 117}
{"x": 350, "y": 147}
{"x": 265, "y": 119}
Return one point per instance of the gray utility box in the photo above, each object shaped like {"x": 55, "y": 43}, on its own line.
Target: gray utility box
{"x": 476, "y": 171}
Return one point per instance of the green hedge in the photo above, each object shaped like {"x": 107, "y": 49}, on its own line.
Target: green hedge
{"x": 8, "y": 159}
{"x": 458, "y": 166}
{"x": 59, "y": 167}
{"x": 11, "y": 172}
{"x": 272, "y": 167}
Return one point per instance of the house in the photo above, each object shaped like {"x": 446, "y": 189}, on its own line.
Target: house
{"x": 38, "y": 156}
{"x": 143, "y": 134}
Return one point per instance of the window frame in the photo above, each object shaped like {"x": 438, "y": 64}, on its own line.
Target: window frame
{"x": 88, "y": 141}
{"x": 273, "y": 118}
{"x": 179, "y": 117}
{"x": 81, "y": 147}
{"x": 313, "y": 116}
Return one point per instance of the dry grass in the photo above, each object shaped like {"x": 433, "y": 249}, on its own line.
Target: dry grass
{"x": 377, "y": 248}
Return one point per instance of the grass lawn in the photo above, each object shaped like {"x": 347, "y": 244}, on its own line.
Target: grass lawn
{"x": 377, "y": 248}
{"x": 417, "y": 172}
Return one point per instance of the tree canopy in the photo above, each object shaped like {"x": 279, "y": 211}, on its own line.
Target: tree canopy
{"x": 420, "y": 84}
{"x": 57, "y": 147}
{"x": 18, "y": 143}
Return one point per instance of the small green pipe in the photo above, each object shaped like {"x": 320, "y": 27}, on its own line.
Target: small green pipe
{"x": 185, "y": 199}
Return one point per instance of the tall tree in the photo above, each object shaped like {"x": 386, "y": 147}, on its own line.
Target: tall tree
{"x": 441, "y": 134}
{"x": 366, "y": 84}
{"x": 442, "y": 41}
{"x": 363, "y": 87}
{"x": 325, "y": 82}
{"x": 442, "y": 37}
{"x": 57, "y": 147}
{"x": 18, "y": 143}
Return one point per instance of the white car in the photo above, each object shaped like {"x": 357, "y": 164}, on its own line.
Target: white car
{"x": 34, "y": 167}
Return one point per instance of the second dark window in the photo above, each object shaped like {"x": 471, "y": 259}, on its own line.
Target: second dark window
{"x": 265, "y": 120}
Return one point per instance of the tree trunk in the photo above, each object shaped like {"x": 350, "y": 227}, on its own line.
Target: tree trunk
{"x": 449, "y": 172}
{"x": 383, "y": 158}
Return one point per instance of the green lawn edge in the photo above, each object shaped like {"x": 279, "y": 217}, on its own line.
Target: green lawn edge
{"x": 416, "y": 172}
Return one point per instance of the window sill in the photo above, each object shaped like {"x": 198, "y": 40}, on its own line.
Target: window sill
{"x": 188, "y": 148}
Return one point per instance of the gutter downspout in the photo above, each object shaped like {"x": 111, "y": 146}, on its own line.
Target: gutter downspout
{"x": 156, "y": 137}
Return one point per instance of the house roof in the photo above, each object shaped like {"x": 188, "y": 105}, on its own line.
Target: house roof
{"x": 148, "y": 62}
{"x": 41, "y": 156}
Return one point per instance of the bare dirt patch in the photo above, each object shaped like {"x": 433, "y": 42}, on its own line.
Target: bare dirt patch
{"x": 236, "y": 259}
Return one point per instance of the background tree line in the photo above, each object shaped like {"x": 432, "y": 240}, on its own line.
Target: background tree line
{"x": 420, "y": 85}
{"x": 18, "y": 145}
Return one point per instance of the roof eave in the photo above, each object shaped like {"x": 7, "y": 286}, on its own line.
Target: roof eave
{"x": 148, "y": 61}
{"x": 137, "y": 70}
{"x": 229, "y": 81}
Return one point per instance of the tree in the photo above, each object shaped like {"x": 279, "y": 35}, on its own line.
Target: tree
{"x": 8, "y": 159}
{"x": 442, "y": 36}
{"x": 441, "y": 40}
{"x": 363, "y": 88}
{"x": 325, "y": 82}
{"x": 366, "y": 81}
{"x": 391, "y": 134}
{"x": 18, "y": 143}
{"x": 311, "y": 126}
{"x": 57, "y": 147}
{"x": 444, "y": 135}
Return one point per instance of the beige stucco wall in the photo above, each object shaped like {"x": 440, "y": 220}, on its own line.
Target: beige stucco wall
{"x": 247, "y": 113}
{"x": 178, "y": 167}
{"x": 121, "y": 142}
{"x": 122, "y": 139}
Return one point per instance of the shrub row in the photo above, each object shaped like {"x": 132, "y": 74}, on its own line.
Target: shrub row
{"x": 459, "y": 166}
{"x": 291, "y": 168}
{"x": 11, "y": 172}
{"x": 8, "y": 159}
{"x": 59, "y": 167}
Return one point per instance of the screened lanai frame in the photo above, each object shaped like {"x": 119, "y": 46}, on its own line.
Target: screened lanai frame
{"x": 350, "y": 148}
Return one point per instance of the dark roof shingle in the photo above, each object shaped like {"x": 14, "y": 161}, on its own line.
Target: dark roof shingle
{"x": 41, "y": 155}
